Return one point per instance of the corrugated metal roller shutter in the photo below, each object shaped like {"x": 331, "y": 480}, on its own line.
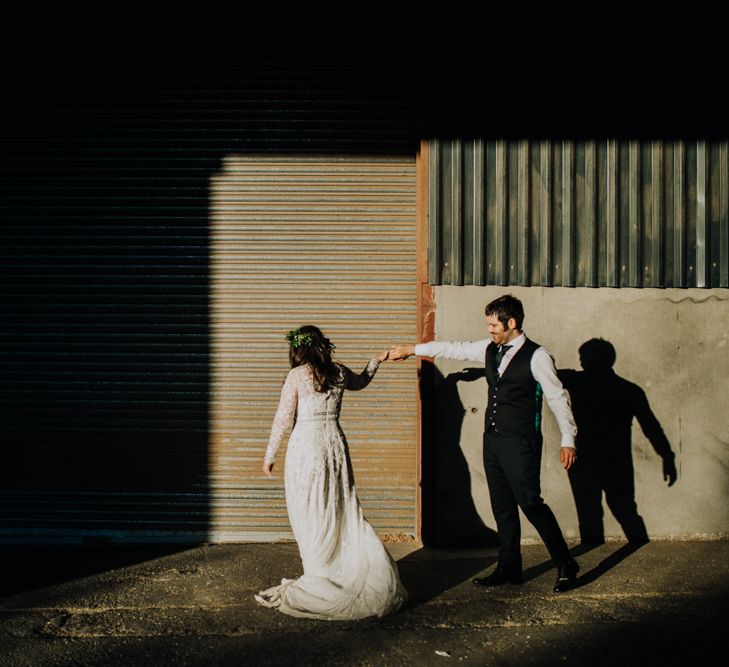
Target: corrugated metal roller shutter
{"x": 328, "y": 241}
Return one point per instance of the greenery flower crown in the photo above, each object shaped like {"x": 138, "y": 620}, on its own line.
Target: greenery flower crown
{"x": 299, "y": 338}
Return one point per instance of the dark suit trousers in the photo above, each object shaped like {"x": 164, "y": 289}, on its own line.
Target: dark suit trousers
{"x": 512, "y": 466}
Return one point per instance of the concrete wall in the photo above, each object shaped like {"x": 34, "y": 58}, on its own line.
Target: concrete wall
{"x": 674, "y": 344}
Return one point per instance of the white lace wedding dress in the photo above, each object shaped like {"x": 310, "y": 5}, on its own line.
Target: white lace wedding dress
{"x": 348, "y": 574}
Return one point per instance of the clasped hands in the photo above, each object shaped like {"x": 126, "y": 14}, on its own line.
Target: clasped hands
{"x": 398, "y": 353}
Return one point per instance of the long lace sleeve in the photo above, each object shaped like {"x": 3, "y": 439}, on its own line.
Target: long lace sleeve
{"x": 285, "y": 416}
{"x": 357, "y": 381}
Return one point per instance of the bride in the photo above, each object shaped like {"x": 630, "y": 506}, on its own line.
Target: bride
{"x": 348, "y": 574}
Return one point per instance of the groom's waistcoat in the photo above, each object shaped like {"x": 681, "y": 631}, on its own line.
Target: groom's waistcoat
{"x": 515, "y": 398}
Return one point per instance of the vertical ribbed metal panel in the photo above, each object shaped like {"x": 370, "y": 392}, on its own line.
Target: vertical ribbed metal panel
{"x": 544, "y": 212}
{"x": 500, "y": 244}
{"x": 568, "y": 216}
{"x": 702, "y": 213}
{"x": 723, "y": 215}
{"x": 106, "y": 261}
{"x": 327, "y": 241}
{"x": 611, "y": 203}
{"x": 580, "y": 213}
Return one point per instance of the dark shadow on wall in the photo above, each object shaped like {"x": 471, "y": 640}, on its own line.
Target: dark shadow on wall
{"x": 565, "y": 85}
{"x": 107, "y": 148}
{"x": 604, "y": 405}
{"x": 105, "y": 287}
{"x": 450, "y": 517}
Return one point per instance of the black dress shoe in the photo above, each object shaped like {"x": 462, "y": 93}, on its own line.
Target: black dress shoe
{"x": 566, "y": 576}
{"x": 498, "y": 577}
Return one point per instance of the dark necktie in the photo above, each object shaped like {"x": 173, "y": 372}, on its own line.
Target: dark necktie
{"x": 500, "y": 355}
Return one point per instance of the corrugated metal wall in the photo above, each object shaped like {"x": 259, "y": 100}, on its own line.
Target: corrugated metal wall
{"x": 328, "y": 241}
{"x": 106, "y": 260}
{"x": 579, "y": 213}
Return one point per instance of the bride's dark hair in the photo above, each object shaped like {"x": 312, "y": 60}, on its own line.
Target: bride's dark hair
{"x": 308, "y": 345}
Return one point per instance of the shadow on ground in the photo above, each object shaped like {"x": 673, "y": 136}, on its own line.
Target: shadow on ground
{"x": 27, "y": 568}
{"x": 429, "y": 572}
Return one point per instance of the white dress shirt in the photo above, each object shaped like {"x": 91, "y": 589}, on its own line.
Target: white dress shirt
{"x": 543, "y": 371}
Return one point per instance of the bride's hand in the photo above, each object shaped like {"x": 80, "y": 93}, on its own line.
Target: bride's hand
{"x": 384, "y": 356}
{"x": 401, "y": 352}
{"x": 267, "y": 468}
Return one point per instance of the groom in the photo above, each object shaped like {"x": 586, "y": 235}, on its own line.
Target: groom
{"x": 518, "y": 373}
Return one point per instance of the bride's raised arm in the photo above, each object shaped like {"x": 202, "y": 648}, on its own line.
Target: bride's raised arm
{"x": 357, "y": 381}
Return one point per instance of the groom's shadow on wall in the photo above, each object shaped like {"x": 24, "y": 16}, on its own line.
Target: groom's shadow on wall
{"x": 604, "y": 406}
{"x": 450, "y": 518}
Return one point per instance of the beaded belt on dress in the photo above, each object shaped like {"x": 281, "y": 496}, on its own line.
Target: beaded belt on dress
{"x": 319, "y": 417}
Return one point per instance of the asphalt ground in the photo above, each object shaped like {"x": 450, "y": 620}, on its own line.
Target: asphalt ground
{"x": 662, "y": 603}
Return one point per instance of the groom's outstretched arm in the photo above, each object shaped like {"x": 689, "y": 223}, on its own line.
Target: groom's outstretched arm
{"x": 464, "y": 350}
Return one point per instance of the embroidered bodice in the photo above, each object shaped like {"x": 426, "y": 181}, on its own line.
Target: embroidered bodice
{"x": 300, "y": 401}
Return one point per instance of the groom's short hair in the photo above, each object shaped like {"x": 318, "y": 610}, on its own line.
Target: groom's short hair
{"x": 506, "y": 307}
